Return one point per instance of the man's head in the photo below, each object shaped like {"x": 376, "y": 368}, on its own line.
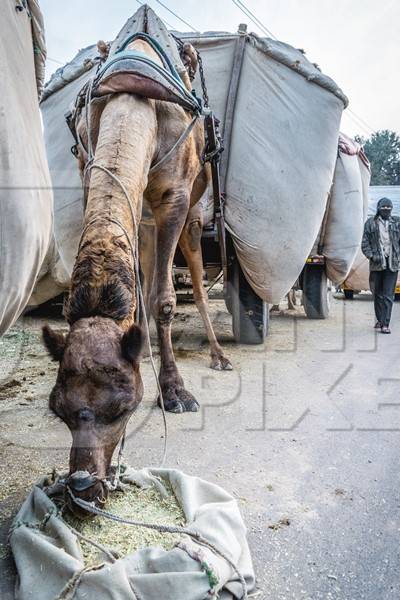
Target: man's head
{"x": 384, "y": 208}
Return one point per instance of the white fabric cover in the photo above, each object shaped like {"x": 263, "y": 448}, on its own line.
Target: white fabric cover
{"x": 39, "y": 44}
{"x": 347, "y": 206}
{"x": 358, "y": 277}
{"x": 282, "y": 159}
{"x": 25, "y": 188}
{"x": 282, "y": 155}
{"x": 340, "y": 235}
{"x": 51, "y": 553}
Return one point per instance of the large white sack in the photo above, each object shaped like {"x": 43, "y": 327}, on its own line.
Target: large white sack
{"x": 345, "y": 219}
{"x": 67, "y": 190}
{"x": 282, "y": 155}
{"x": 25, "y": 188}
{"x": 39, "y": 44}
{"x": 358, "y": 278}
{"x": 346, "y": 208}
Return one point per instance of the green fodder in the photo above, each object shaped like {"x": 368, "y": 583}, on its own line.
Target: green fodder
{"x": 143, "y": 505}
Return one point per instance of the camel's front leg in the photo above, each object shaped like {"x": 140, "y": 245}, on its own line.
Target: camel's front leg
{"x": 170, "y": 215}
{"x": 147, "y": 254}
{"x": 190, "y": 244}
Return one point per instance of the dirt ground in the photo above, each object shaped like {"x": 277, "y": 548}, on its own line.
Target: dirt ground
{"x": 304, "y": 433}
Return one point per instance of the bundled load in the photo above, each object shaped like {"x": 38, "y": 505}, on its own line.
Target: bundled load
{"x": 341, "y": 232}
{"x": 280, "y": 148}
{"x": 25, "y": 186}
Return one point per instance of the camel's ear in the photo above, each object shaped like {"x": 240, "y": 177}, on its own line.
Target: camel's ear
{"x": 54, "y": 342}
{"x": 132, "y": 343}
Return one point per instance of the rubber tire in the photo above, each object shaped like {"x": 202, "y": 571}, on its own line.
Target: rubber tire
{"x": 228, "y": 296}
{"x": 315, "y": 292}
{"x": 348, "y": 294}
{"x": 250, "y": 314}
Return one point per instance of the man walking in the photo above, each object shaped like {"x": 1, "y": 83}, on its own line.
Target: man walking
{"x": 381, "y": 245}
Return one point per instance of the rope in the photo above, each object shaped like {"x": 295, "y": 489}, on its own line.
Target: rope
{"x": 210, "y": 287}
{"x": 103, "y": 549}
{"x": 69, "y": 590}
{"x": 140, "y": 299}
{"x": 179, "y": 141}
{"x": 138, "y": 288}
{"x": 89, "y": 507}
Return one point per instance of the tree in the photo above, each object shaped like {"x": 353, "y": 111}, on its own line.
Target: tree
{"x": 383, "y": 152}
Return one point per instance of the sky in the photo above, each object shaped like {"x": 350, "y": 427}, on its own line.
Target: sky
{"x": 356, "y": 42}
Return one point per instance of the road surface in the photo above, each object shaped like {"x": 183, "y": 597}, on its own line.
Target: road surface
{"x": 305, "y": 433}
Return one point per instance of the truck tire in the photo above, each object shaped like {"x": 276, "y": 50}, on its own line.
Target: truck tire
{"x": 348, "y": 294}
{"x": 315, "y": 292}
{"x": 228, "y": 296}
{"x": 250, "y": 314}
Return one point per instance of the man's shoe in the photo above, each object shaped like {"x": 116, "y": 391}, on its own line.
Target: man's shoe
{"x": 378, "y": 325}
{"x": 385, "y": 329}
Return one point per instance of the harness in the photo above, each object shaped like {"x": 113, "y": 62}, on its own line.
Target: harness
{"x": 130, "y": 70}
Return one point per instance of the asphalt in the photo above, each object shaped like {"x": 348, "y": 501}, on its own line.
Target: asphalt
{"x": 304, "y": 432}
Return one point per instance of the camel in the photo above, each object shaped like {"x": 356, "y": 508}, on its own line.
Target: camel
{"x": 99, "y": 385}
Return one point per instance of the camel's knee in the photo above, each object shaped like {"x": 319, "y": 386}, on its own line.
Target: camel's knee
{"x": 164, "y": 308}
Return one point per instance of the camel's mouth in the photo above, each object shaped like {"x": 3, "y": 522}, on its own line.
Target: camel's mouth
{"x": 84, "y": 491}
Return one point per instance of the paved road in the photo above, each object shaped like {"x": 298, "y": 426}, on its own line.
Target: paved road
{"x": 304, "y": 432}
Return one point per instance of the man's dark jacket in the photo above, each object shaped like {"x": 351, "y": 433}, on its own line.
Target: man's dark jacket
{"x": 371, "y": 246}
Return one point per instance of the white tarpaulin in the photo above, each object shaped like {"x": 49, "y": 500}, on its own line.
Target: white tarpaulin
{"x": 281, "y": 162}
{"x": 39, "y": 44}
{"x": 25, "y": 188}
{"x": 341, "y": 232}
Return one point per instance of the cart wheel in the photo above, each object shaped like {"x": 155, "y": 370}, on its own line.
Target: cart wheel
{"x": 250, "y": 314}
{"x": 228, "y": 295}
{"x": 348, "y": 294}
{"x": 315, "y": 292}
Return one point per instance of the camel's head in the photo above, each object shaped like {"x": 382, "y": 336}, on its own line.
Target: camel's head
{"x": 97, "y": 389}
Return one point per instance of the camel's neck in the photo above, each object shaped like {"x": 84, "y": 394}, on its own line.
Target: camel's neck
{"x": 103, "y": 279}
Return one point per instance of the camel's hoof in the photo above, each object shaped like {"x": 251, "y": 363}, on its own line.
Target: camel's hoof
{"x": 178, "y": 400}
{"x": 221, "y": 363}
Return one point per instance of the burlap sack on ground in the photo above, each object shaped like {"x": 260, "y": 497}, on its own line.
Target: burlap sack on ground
{"x": 45, "y": 550}
{"x": 25, "y": 188}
